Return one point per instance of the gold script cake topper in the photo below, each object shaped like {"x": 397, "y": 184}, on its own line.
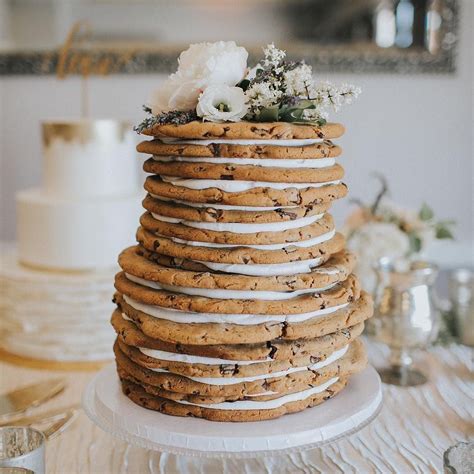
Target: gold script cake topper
{"x": 79, "y": 56}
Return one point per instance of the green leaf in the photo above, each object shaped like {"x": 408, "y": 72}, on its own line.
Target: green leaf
{"x": 290, "y": 114}
{"x": 269, "y": 114}
{"x": 415, "y": 243}
{"x": 442, "y": 232}
{"x": 426, "y": 213}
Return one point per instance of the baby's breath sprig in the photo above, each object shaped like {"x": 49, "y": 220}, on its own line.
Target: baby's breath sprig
{"x": 284, "y": 90}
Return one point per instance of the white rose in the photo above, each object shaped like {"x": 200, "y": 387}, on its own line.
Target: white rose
{"x": 220, "y": 103}
{"x": 201, "y": 65}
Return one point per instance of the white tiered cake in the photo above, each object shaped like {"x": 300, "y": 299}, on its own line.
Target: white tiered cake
{"x": 82, "y": 215}
{"x": 69, "y": 233}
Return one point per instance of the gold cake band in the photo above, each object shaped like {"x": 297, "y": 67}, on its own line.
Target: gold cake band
{"x": 85, "y": 130}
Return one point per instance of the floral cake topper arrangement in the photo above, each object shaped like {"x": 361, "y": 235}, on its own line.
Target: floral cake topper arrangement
{"x": 213, "y": 83}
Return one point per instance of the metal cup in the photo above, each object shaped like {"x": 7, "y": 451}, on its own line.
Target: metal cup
{"x": 406, "y": 317}
{"x": 22, "y": 447}
{"x": 461, "y": 295}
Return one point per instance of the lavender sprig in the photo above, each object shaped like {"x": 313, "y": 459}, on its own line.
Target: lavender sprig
{"x": 174, "y": 117}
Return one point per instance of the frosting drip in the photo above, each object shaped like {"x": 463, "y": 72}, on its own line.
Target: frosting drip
{"x": 220, "y": 206}
{"x": 301, "y": 243}
{"x": 265, "y": 269}
{"x": 336, "y": 355}
{"x": 226, "y": 141}
{"x": 268, "y": 404}
{"x": 262, "y": 162}
{"x": 240, "y": 228}
{"x": 228, "y": 294}
{"x": 184, "y": 317}
{"x": 192, "y": 359}
{"x": 239, "y": 186}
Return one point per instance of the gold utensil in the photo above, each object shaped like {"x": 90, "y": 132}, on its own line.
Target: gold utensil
{"x": 13, "y": 404}
{"x": 44, "y": 417}
{"x": 61, "y": 424}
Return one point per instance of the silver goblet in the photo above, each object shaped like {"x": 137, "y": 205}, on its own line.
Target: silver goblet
{"x": 406, "y": 317}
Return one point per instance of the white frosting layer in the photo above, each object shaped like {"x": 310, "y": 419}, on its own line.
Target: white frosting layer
{"x": 273, "y": 375}
{"x": 265, "y": 269}
{"x": 293, "y": 142}
{"x": 301, "y": 243}
{"x": 239, "y": 228}
{"x": 220, "y": 206}
{"x": 269, "y": 404}
{"x": 183, "y": 317}
{"x": 231, "y": 186}
{"x": 228, "y": 294}
{"x": 270, "y": 163}
{"x": 192, "y": 359}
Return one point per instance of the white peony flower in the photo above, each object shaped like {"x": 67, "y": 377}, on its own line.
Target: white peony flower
{"x": 176, "y": 93}
{"x": 200, "y": 66}
{"x": 221, "y": 103}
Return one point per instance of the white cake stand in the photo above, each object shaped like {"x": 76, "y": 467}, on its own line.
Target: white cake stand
{"x": 356, "y": 406}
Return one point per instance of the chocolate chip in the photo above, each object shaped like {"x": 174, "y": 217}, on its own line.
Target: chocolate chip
{"x": 227, "y": 177}
{"x": 227, "y": 369}
{"x": 216, "y": 149}
{"x": 346, "y": 333}
{"x": 213, "y": 213}
{"x": 314, "y": 359}
{"x": 273, "y": 350}
{"x": 283, "y": 213}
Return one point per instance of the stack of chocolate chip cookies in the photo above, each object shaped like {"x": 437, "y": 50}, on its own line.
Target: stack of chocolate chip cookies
{"x": 239, "y": 302}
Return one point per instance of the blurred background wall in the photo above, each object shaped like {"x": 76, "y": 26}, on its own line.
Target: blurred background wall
{"x": 415, "y": 129}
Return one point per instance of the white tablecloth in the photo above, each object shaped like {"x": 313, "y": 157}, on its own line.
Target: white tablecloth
{"x": 414, "y": 428}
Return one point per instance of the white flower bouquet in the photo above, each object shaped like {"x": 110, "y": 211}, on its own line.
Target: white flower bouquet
{"x": 213, "y": 83}
{"x": 384, "y": 229}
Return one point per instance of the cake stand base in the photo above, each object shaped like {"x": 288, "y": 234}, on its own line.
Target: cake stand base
{"x": 356, "y": 406}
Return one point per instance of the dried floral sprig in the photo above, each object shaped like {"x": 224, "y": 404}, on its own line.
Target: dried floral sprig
{"x": 284, "y": 90}
{"x": 175, "y": 117}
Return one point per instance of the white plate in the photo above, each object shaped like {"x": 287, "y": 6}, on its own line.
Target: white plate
{"x": 351, "y": 410}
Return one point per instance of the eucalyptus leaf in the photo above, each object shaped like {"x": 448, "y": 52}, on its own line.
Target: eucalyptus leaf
{"x": 443, "y": 232}
{"x": 268, "y": 114}
{"x": 290, "y": 114}
{"x": 426, "y": 213}
{"x": 306, "y": 104}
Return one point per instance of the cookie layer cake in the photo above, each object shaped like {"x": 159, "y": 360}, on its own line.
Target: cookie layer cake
{"x": 239, "y": 302}
{"x": 55, "y": 288}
